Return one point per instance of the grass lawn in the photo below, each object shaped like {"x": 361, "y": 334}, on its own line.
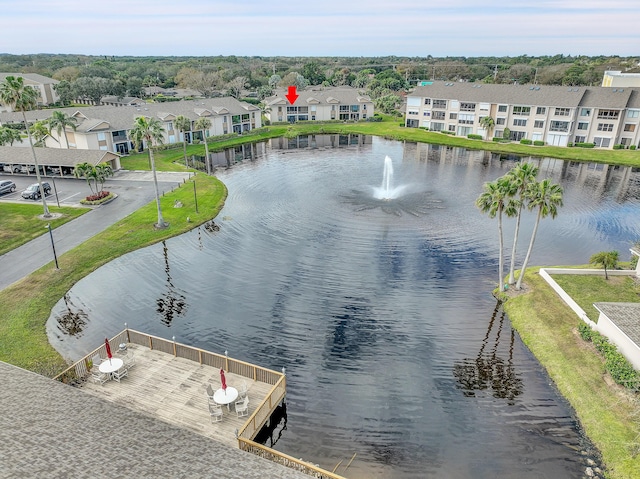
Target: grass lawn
{"x": 587, "y": 289}
{"x": 21, "y": 222}
{"x": 608, "y": 415}
{"x": 172, "y": 160}
{"x": 26, "y": 305}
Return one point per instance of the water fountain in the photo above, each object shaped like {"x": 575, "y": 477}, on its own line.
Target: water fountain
{"x": 393, "y": 199}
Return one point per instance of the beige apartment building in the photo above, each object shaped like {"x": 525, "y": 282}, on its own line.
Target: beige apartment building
{"x": 41, "y": 84}
{"x": 320, "y": 104}
{"x": 615, "y": 78}
{"x": 557, "y": 115}
{"x": 107, "y": 127}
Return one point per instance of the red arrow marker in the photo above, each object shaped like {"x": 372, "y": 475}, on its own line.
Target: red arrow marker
{"x": 292, "y": 96}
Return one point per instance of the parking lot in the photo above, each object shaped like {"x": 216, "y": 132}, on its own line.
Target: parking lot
{"x": 66, "y": 191}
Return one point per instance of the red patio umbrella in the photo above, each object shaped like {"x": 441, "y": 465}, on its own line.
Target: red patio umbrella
{"x": 223, "y": 380}
{"x": 108, "y": 348}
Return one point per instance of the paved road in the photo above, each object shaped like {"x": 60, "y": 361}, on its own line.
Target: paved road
{"x": 134, "y": 189}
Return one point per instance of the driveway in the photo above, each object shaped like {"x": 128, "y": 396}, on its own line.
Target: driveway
{"x": 134, "y": 190}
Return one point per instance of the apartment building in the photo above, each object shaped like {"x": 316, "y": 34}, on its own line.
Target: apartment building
{"x": 557, "y": 115}
{"x": 41, "y": 84}
{"x": 107, "y": 127}
{"x": 320, "y": 104}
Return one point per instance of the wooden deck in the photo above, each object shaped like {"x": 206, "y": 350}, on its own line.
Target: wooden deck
{"x": 172, "y": 389}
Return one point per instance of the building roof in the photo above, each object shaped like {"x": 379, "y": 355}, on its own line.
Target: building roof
{"x": 49, "y": 429}
{"x": 626, "y": 316}
{"x": 12, "y": 155}
{"x": 321, "y": 96}
{"x": 122, "y": 118}
{"x": 34, "y": 77}
{"x": 542, "y": 95}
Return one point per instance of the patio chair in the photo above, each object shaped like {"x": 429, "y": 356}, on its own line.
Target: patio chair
{"x": 242, "y": 390}
{"x": 209, "y": 392}
{"x": 215, "y": 411}
{"x": 120, "y": 373}
{"x": 129, "y": 360}
{"x": 98, "y": 377}
{"x": 242, "y": 407}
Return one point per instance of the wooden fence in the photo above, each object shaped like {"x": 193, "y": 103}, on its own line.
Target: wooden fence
{"x": 80, "y": 370}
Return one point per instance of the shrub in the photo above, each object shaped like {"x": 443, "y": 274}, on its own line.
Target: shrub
{"x": 585, "y": 145}
{"x": 525, "y": 141}
{"x": 97, "y": 199}
{"x": 615, "y": 363}
{"x": 618, "y": 147}
{"x": 471, "y": 136}
{"x": 632, "y": 147}
{"x": 538, "y": 143}
{"x": 570, "y": 145}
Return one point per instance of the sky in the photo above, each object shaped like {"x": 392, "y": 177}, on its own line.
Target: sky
{"x": 322, "y": 28}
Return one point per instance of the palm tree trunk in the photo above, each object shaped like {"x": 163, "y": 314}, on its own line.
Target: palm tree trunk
{"x": 512, "y": 267}
{"x": 501, "y": 254}
{"x": 161, "y": 223}
{"x": 66, "y": 139}
{"x": 206, "y": 151}
{"x": 528, "y": 255}
{"x": 184, "y": 148}
{"x": 46, "y": 213}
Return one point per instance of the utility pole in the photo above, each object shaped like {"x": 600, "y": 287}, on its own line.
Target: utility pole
{"x": 495, "y": 72}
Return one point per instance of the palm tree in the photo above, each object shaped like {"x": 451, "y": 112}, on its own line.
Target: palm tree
{"x": 102, "y": 172}
{"x": 547, "y": 197}
{"x": 60, "y": 121}
{"x": 39, "y": 132}
{"x": 608, "y": 260}
{"x": 86, "y": 171}
{"x": 493, "y": 201}
{"x": 9, "y": 136}
{"x": 203, "y": 124}
{"x": 183, "y": 124}
{"x": 520, "y": 176}
{"x": 21, "y": 97}
{"x": 487, "y": 123}
{"x": 149, "y": 131}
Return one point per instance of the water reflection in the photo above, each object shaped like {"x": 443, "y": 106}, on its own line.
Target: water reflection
{"x": 488, "y": 370}
{"x": 172, "y": 303}
{"x": 73, "y": 319}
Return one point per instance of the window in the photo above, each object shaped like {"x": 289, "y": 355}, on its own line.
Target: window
{"x": 439, "y": 115}
{"x": 313, "y": 108}
{"x": 562, "y": 111}
{"x": 437, "y": 126}
{"x": 519, "y": 122}
{"x": 245, "y": 117}
{"x": 629, "y": 127}
{"x": 522, "y": 110}
{"x": 236, "y": 119}
{"x": 344, "y": 107}
{"x": 290, "y": 109}
{"x": 427, "y": 101}
{"x": 464, "y": 130}
{"x": 538, "y": 124}
{"x": 583, "y": 125}
{"x": 609, "y": 114}
{"x": 465, "y": 119}
{"x": 303, "y": 117}
{"x": 467, "y": 106}
{"x": 580, "y": 139}
{"x": 633, "y": 114}
{"x": 439, "y": 103}
{"x": 452, "y": 127}
{"x": 355, "y": 108}
{"x": 517, "y": 135}
{"x": 101, "y": 136}
{"x": 413, "y": 112}
{"x": 453, "y": 116}
{"x": 585, "y": 112}
{"x": 498, "y": 133}
{"x": 541, "y": 110}
{"x": 501, "y": 121}
{"x": 602, "y": 142}
{"x": 169, "y": 125}
{"x": 625, "y": 141}
{"x": 605, "y": 126}
{"x": 303, "y": 109}
{"x": 502, "y": 108}
{"x": 559, "y": 126}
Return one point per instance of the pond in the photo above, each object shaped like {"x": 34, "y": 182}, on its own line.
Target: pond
{"x": 399, "y": 363}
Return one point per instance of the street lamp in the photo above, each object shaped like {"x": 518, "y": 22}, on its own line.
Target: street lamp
{"x": 53, "y": 246}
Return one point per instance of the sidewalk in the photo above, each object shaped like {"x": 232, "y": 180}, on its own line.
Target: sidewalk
{"x": 22, "y": 261}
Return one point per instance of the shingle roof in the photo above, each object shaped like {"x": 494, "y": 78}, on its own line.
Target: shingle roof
{"x": 542, "y": 95}
{"x": 122, "y": 117}
{"x": 319, "y": 95}
{"x": 49, "y": 429}
{"x": 35, "y": 77}
{"x": 53, "y": 156}
{"x": 626, "y": 317}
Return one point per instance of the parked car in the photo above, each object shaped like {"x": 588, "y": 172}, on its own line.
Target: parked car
{"x": 33, "y": 191}
{"x": 11, "y": 168}
{"x": 28, "y": 169}
{"x": 7, "y": 186}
